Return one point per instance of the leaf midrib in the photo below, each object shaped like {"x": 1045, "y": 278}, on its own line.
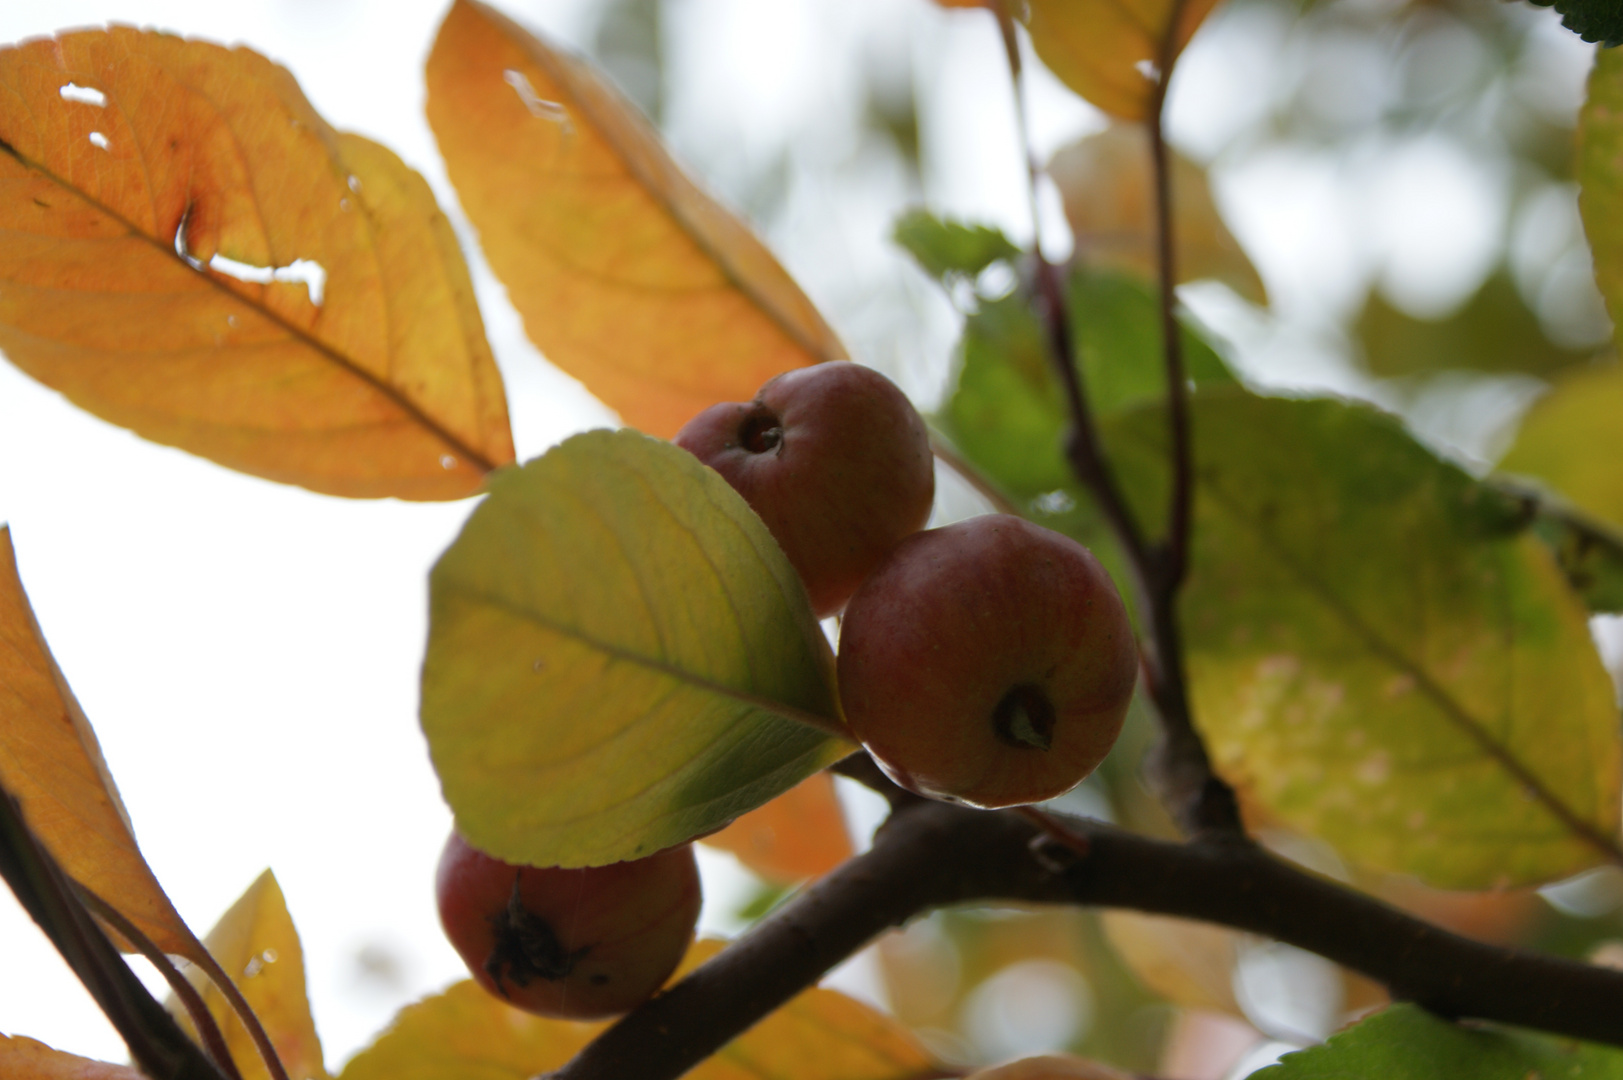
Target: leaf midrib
{"x": 382, "y": 387}
{"x": 680, "y": 675}
{"x": 1456, "y": 713}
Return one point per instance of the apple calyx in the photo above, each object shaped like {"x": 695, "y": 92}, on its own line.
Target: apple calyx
{"x": 1024, "y": 718}
{"x": 761, "y": 431}
{"x": 526, "y": 947}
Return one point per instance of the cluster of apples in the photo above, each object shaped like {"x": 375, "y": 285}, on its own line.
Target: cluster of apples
{"x": 990, "y": 662}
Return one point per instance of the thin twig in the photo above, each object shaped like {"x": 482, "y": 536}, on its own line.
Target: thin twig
{"x": 245, "y": 1013}
{"x": 202, "y": 1019}
{"x": 1176, "y": 557}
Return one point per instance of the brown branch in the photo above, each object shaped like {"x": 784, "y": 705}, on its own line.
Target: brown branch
{"x": 932, "y": 854}
{"x": 157, "y": 1045}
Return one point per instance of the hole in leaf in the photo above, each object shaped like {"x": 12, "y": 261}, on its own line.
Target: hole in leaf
{"x": 87, "y": 95}
{"x": 539, "y": 106}
{"x": 100, "y": 141}
{"x": 312, "y": 275}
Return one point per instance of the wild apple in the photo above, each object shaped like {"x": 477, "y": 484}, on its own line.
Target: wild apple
{"x": 836, "y": 461}
{"x": 989, "y": 662}
{"x": 579, "y": 944}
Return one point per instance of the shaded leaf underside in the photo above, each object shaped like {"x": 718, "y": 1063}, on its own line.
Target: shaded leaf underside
{"x": 620, "y": 659}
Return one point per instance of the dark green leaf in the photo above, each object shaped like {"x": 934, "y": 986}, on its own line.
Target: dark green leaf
{"x": 1592, "y": 20}
{"x": 948, "y": 248}
{"x": 1588, "y": 552}
{"x": 1404, "y": 1042}
{"x": 1007, "y": 413}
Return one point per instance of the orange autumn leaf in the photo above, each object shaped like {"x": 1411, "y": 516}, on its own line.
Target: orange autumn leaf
{"x": 50, "y": 761}
{"x": 800, "y": 834}
{"x": 1108, "y": 50}
{"x": 187, "y": 249}
{"x": 25, "y": 1059}
{"x": 258, "y": 948}
{"x": 628, "y": 276}
{"x": 1108, "y": 191}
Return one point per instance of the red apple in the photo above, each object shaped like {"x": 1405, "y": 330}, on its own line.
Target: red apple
{"x": 579, "y": 944}
{"x": 990, "y": 662}
{"x": 836, "y": 461}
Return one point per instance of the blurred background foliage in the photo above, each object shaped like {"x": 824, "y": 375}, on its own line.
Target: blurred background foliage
{"x": 1376, "y": 198}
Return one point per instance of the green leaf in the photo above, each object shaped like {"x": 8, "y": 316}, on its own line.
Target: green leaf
{"x": 1007, "y": 414}
{"x": 1592, "y": 20}
{"x": 620, "y": 658}
{"x": 1571, "y": 440}
{"x": 1600, "y": 176}
{"x": 1380, "y": 653}
{"x": 947, "y": 249}
{"x": 1404, "y": 1042}
{"x": 1494, "y": 332}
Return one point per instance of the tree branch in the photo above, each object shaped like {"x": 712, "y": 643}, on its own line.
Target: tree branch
{"x": 932, "y": 854}
{"x": 157, "y": 1045}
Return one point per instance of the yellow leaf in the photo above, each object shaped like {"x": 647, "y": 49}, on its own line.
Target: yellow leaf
{"x": 1108, "y": 50}
{"x": 822, "y": 1035}
{"x": 50, "y": 760}
{"x": 620, "y": 658}
{"x": 190, "y": 251}
{"x": 1108, "y": 189}
{"x": 25, "y": 1059}
{"x": 466, "y": 1032}
{"x": 628, "y": 276}
{"x": 1188, "y": 963}
{"x": 798, "y": 835}
{"x": 1571, "y": 441}
{"x": 257, "y": 946}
